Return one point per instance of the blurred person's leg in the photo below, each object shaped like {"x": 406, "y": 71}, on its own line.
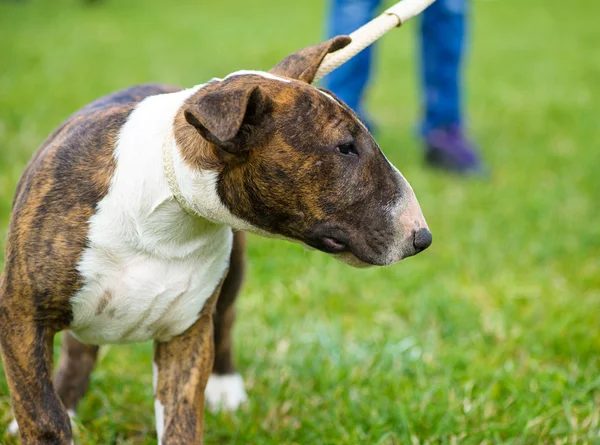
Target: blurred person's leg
{"x": 349, "y": 81}
{"x": 443, "y": 30}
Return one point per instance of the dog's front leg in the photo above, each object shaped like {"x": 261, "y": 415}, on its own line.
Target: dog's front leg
{"x": 27, "y": 356}
{"x": 182, "y": 367}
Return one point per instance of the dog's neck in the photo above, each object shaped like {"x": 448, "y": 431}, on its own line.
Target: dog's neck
{"x": 151, "y": 221}
{"x": 172, "y": 211}
{"x": 188, "y": 217}
{"x": 169, "y": 169}
{"x": 196, "y": 189}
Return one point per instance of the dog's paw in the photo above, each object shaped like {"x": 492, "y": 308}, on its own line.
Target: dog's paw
{"x": 13, "y": 427}
{"x": 225, "y": 392}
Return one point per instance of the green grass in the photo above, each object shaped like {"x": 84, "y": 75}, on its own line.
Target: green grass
{"x": 491, "y": 336}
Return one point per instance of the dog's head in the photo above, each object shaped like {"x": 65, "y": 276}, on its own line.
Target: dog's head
{"x": 288, "y": 159}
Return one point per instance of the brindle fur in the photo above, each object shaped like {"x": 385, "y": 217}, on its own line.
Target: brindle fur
{"x": 258, "y": 169}
{"x": 70, "y": 174}
{"x": 184, "y": 365}
{"x": 55, "y": 198}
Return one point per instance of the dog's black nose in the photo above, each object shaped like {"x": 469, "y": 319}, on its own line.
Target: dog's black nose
{"x": 422, "y": 239}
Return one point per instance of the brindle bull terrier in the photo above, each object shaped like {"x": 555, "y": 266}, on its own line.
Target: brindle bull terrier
{"x": 122, "y": 231}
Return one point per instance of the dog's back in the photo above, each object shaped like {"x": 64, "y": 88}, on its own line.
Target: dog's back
{"x": 105, "y": 115}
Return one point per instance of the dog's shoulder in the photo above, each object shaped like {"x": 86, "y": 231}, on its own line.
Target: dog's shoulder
{"x": 61, "y": 187}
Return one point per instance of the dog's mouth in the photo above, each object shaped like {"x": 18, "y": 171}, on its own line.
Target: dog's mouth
{"x": 337, "y": 242}
{"x": 358, "y": 249}
{"x": 331, "y": 245}
{"x": 328, "y": 239}
{"x": 341, "y": 252}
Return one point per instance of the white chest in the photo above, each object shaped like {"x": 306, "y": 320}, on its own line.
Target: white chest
{"x": 149, "y": 267}
{"x": 133, "y": 297}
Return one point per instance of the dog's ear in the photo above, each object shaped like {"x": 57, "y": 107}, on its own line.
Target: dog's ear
{"x": 303, "y": 65}
{"x": 221, "y": 114}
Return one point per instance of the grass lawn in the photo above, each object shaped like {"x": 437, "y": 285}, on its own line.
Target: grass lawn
{"x": 491, "y": 336}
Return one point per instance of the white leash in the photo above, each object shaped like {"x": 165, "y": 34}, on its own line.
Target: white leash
{"x": 364, "y": 36}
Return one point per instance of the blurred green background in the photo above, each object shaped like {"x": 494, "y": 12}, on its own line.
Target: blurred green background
{"x": 491, "y": 336}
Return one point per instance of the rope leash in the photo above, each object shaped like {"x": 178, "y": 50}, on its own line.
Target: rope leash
{"x": 364, "y": 36}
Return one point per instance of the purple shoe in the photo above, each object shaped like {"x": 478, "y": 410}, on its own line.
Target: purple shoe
{"x": 449, "y": 149}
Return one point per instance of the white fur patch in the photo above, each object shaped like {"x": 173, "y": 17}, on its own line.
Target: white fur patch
{"x": 159, "y": 409}
{"x": 199, "y": 187}
{"x": 331, "y": 98}
{"x": 405, "y": 215}
{"x": 159, "y": 413}
{"x": 337, "y": 102}
{"x": 257, "y": 73}
{"x": 149, "y": 267}
{"x": 225, "y": 392}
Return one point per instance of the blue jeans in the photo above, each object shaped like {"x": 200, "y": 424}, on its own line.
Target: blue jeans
{"x": 442, "y": 45}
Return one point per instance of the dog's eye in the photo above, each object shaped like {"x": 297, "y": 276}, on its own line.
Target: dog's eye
{"x": 347, "y": 149}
